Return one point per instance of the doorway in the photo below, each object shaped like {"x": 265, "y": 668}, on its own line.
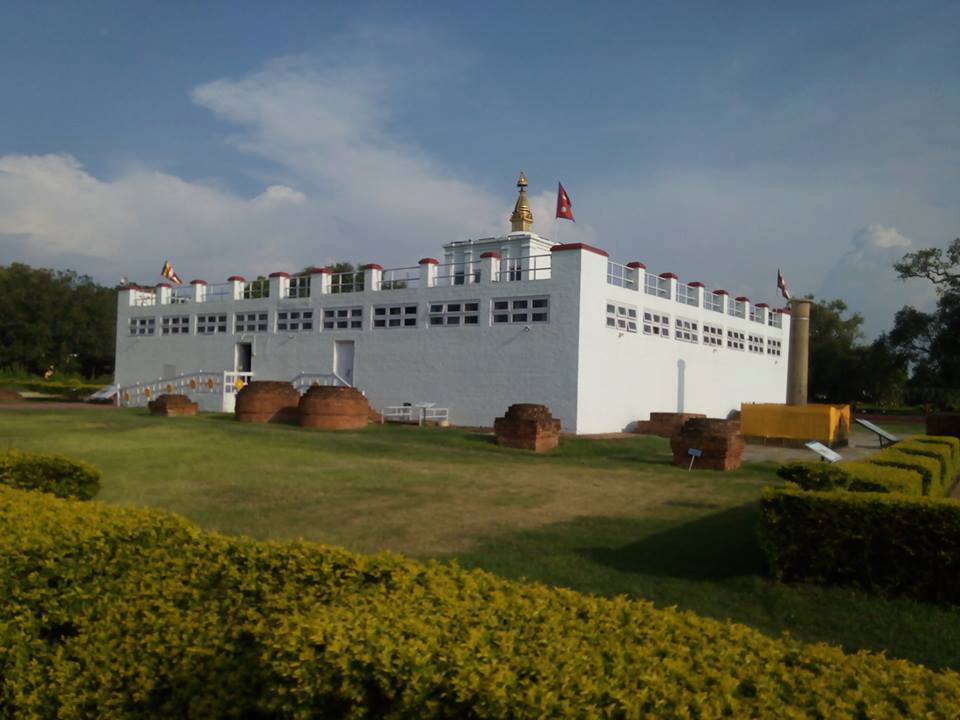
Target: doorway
{"x": 243, "y": 362}
{"x": 343, "y": 360}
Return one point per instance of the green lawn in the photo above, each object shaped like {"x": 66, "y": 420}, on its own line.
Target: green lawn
{"x": 606, "y": 517}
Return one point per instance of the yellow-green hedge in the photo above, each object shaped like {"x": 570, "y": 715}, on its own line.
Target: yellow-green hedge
{"x": 49, "y": 473}
{"x": 879, "y": 541}
{"x": 942, "y": 453}
{"x": 928, "y": 467}
{"x": 121, "y": 612}
{"x": 856, "y": 476}
{"x": 948, "y": 440}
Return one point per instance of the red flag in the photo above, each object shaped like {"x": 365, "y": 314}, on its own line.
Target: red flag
{"x": 782, "y": 285}
{"x": 564, "y": 206}
{"x": 169, "y": 273}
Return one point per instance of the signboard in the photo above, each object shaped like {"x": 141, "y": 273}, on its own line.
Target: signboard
{"x": 694, "y": 454}
{"x": 881, "y": 433}
{"x": 825, "y": 453}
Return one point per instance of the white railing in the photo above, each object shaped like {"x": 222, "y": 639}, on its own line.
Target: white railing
{"x": 143, "y": 298}
{"x": 713, "y": 301}
{"x": 458, "y": 273}
{"x": 140, "y": 394}
{"x": 737, "y": 308}
{"x": 525, "y": 267}
{"x": 181, "y": 294}
{"x": 346, "y": 282}
{"x": 775, "y": 319}
{"x": 218, "y": 292}
{"x": 756, "y": 314}
{"x": 688, "y": 295}
{"x": 298, "y": 287}
{"x": 656, "y": 285}
{"x": 420, "y": 413}
{"x": 621, "y": 275}
{"x": 233, "y": 382}
{"x": 399, "y": 278}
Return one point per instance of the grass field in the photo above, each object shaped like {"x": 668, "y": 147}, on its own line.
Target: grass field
{"x": 608, "y": 517}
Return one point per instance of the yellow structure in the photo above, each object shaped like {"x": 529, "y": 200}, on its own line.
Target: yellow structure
{"x": 522, "y": 218}
{"x": 795, "y": 424}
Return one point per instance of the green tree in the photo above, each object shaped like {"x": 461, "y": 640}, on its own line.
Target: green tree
{"x": 57, "y": 318}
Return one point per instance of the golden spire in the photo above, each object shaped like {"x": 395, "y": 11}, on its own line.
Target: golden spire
{"x": 522, "y": 218}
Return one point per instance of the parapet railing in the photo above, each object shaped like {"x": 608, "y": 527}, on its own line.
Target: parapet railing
{"x": 139, "y": 394}
{"x": 526, "y": 267}
{"x": 621, "y": 275}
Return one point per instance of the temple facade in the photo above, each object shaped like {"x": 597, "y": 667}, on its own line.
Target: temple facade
{"x": 492, "y": 322}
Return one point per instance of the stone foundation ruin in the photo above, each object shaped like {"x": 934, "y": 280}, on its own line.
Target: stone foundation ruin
{"x": 528, "y": 427}
{"x": 718, "y": 440}
{"x": 664, "y": 424}
{"x": 267, "y": 401}
{"x": 170, "y": 405}
{"x": 334, "y": 408}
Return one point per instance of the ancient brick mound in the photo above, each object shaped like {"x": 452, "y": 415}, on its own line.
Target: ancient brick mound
{"x": 718, "y": 440}
{"x": 334, "y": 408}
{"x": 9, "y": 396}
{"x": 664, "y": 424}
{"x": 267, "y": 401}
{"x": 944, "y": 424}
{"x": 173, "y": 406}
{"x": 527, "y": 427}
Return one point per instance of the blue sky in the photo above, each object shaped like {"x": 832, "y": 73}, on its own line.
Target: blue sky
{"x": 716, "y": 140}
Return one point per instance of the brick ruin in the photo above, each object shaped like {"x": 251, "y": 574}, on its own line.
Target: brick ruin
{"x": 719, "y": 441}
{"x": 528, "y": 427}
{"x": 170, "y": 405}
{"x": 664, "y": 424}
{"x": 267, "y": 401}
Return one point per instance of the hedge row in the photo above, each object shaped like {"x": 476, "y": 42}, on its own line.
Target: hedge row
{"x": 49, "y": 473}
{"x": 122, "y": 612}
{"x": 854, "y": 476}
{"x": 888, "y": 542}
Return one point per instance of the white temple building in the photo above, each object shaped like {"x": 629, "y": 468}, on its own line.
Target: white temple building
{"x": 496, "y": 321}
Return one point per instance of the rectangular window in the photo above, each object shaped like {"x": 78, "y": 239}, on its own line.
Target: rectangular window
{"x": 395, "y": 316}
{"x": 656, "y": 323}
{"x": 735, "y": 339}
{"x": 212, "y": 324}
{"x": 349, "y": 318}
{"x": 687, "y": 295}
{"x": 773, "y": 347}
{"x": 521, "y": 310}
{"x": 755, "y": 343}
{"x": 294, "y": 320}
{"x": 713, "y": 301}
{"x": 250, "y": 322}
{"x": 756, "y": 314}
{"x": 255, "y": 289}
{"x": 299, "y": 287}
{"x": 686, "y": 330}
{"x": 455, "y": 314}
{"x": 737, "y": 308}
{"x": 775, "y": 319}
{"x": 655, "y": 285}
{"x": 143, "y": 325}
{"x": 712, "y": 335}
{"x": 621, "y": 317}
{"x": 175, "y": 325}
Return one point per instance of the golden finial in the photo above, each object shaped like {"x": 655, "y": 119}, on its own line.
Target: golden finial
{"x": 522, "y": 218}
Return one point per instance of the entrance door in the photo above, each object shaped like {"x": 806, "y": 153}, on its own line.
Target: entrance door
{"x": 244, "y": 358}
{"x": 343, "y": 360}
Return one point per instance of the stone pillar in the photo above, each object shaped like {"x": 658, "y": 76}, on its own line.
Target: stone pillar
{"x": 372, "y": 276}
{"x": 490, "y": 267}
{"x": 199, "y": 290}
{"x": 320, "y": 281}
{"x": 428, "y": 272}
{"x": 164, "y": 292}
{"x": 237, "y": 283}
{"x": 279, "y": 284}
{"x": 799, "y": 357}
{"x": 638, "y": 274}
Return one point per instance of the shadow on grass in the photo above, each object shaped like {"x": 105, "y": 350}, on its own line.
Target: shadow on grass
{"x": 714, "y": 547}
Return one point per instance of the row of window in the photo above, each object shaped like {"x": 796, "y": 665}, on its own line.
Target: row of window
{"x": 625, "y": 319}
{"x": 506, "y": 311}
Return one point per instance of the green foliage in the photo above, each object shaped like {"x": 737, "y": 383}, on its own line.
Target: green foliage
{"x": 878, "y": 541}
{"x": 852, "y": 476}
{"x": 56, "y": 318}
{"x": 939, "y": 452}
{"x": 948, "y": 440}
{"x": 50, "y": 474}
{"x": 929, "y": 468}
{"x": 123, "y": 612}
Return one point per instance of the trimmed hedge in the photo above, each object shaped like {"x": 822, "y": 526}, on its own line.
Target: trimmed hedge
{"x": 854, "y": 476}
{"x": 122, "y": 612}
{"x": 939, "y": 452}
{"x": 878, "y": 541}
{"x": 928, "y": 467}
{"x": 948, "y": 440}
{"x": 49, "y": 473}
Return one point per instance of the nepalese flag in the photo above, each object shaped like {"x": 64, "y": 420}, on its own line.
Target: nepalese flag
{"x": 169, "y": 273}
{"x": 564, "y": 206}
{"x": 782, "y": 285}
